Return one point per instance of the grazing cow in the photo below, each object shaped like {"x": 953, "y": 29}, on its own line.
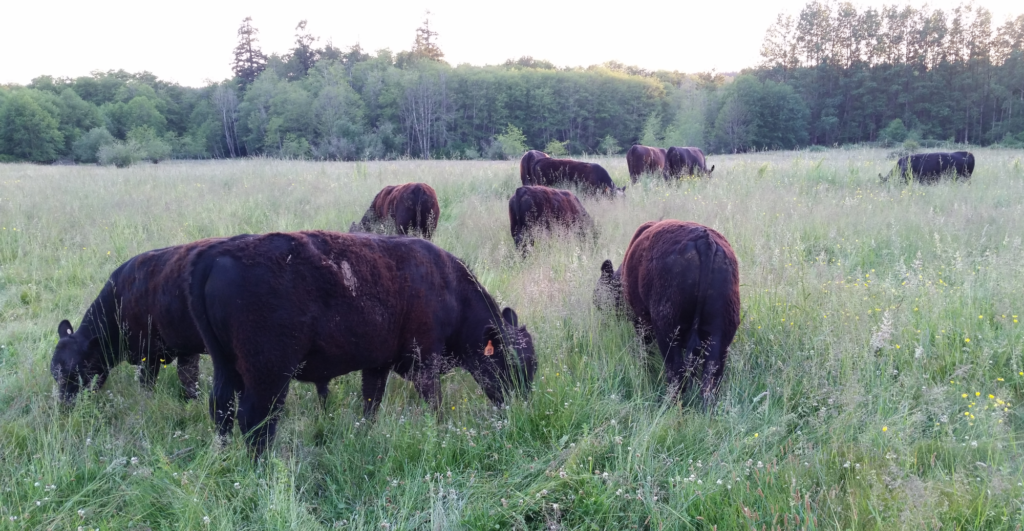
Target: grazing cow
{"x": 590, "y": 177}
{"x": 686, "y": 159}
{"x": 411, "y": 206}
{"x": 534, "y": 208}
{"x": 680, "y": 281}
{"x": 526, "y": 166}
{"x": 643, "y": 159}
{"x": 315, "y": 305}
{"x": 140, "y": 316}
{"x": 928, "y": 168}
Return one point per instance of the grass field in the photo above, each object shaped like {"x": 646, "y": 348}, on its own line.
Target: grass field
{"x": 875, "y": 383}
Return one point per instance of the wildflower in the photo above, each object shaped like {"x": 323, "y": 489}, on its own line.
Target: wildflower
{"x": 756, "y": 435}
{"x": 206, "y": 520}
{"x": 885, "y": 428}
{"x": 991, "y": 397}
{"x": 967, "y": 340}
{"x": 81, "y": 513}
{"x": 238, "y": 485}
{"x": 963, "y": 395}
{"x": 976, "y": 393}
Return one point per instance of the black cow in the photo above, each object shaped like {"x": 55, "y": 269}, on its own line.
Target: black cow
{"x": 526, "y": 166}
{"x": 588, "y": 176}
{"x": 140, "y": 316}
{"x": 928, "y": 168}
{"x": 689, "y": 160}
{"x": 315, "y": 305}
{"x": 680, "y": 281}
{"x": 534, "y": 208}
{"x": 644, "y": 159}
{"x": 410, "y": 207}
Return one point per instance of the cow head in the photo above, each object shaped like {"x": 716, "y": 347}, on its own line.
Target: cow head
{"x": 711, "y": 170}
{"x": 608, "y": 293}
{"x": 77, "y": 362}
{"x": 504, "y": 359}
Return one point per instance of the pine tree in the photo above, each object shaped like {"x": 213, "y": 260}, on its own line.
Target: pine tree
{"x": 424, "y": 45}
{"x": 249, "y": 59}
{"x": 304, "y": 55}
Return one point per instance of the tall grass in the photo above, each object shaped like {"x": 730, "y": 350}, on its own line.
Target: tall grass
{"x": 874, "y": 382}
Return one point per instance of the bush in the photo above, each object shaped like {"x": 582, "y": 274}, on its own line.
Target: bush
{"x": 120, "y": 154}
{"x": 895, "y": 132}
{"x": 507, "y": 145}
{"x": 911, "y": 145}
{"x": 153, "y": 148}
{"x": 557, "y": 149}
{"x": 609, "y": 146}
{"x": 86, "y": 148}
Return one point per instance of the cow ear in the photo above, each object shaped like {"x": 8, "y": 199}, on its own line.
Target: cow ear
{"x": 64, "y": 329}
{"x": 712, "y": 169}
{"x": 510, "y": 316}
{"x": 607, "y": 270}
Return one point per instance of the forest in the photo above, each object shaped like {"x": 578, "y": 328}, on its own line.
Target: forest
{"x": 833, "y": 74}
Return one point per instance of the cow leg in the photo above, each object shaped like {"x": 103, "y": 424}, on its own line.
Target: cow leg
{"x": 322, "y": 392}
{"x": 258, "y": 411}
{"x": 149, "y": 369}
{"x": 226, "y": 382}
{"x": 714, "y": 367}
{"x": 672, "y": 355}
{"x": 188, "y": 375}
{"x": 374, "y": 382}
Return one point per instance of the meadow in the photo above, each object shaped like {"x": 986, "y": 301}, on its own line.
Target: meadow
{"x": 875, "y": 382}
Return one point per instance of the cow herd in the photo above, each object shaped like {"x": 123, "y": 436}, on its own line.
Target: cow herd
{"x": 315, "y": 305}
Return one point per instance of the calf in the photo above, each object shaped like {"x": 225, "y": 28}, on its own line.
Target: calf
{"x": 140, "y": 316}
{"x": 315, "y": 305}
{"x": 643, "y": 159}
{"x": 526, "y": 166}
{"x": 680, "y": 281}
{"x": 928, "y": 168}
{"x": 588, "y": 176}
{"x": 689, "y": 160}
{"x": 534, "y": 208}
{"x": 411, "y": 207}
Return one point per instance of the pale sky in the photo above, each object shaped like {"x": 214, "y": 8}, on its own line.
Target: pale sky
{"x": 190, "y": 41}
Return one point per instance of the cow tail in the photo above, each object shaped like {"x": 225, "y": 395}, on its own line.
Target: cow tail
{"x": 706, "y": 250}
{"x": 199, "y": 274}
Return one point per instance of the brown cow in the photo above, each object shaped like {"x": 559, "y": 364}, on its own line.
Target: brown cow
{"x": 643, "y": 159}
{"x": 680, "y": 280}
{"x": 409, "y": 207}
{"x": 316, "y": 305}
{"x": 526, "y": 166}
{"x": 686, "y": 159}
{"x": 588, "y": 176}
{"x": 140, "y": 316}
{"x": 534, "y": 208}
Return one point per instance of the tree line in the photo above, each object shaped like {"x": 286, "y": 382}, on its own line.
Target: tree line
{"x": 831, "y": 74}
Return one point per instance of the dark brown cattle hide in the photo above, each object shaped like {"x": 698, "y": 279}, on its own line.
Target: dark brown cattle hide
{"x": 140, "y": 316}
{"x": 588, "y": 176}
{"x": 680, "y": 282}
{"x": 316, "y": 305}
{"x": 411, "y": 207}
{"x": 535, "y": 208}
{"x": 928, "y": 168}
{"x": 526, "y": 166}
{"x": 686, "y": 160}
{"x": 644, "y": 159}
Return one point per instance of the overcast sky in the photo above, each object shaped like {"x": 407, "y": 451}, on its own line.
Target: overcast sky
{"x": 190, "y": 41}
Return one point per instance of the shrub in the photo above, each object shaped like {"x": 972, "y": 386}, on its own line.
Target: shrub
{"x": 609, "y": 146}
{"x": 895, "y": 132}
{"x": 86, "y": 148}
{"x": 120, "y": 154}
{"x": 153, "y": 148}
{"x": 557, "y": 149}
{"x": 507, "y": 145}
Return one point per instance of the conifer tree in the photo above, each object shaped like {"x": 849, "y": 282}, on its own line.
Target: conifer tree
{"x": 249, "y": 59}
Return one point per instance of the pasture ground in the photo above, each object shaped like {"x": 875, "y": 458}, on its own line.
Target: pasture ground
{"x": 876, "y": 381}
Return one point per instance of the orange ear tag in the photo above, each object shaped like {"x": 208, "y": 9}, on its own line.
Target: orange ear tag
{"x": 489, "y": 349}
